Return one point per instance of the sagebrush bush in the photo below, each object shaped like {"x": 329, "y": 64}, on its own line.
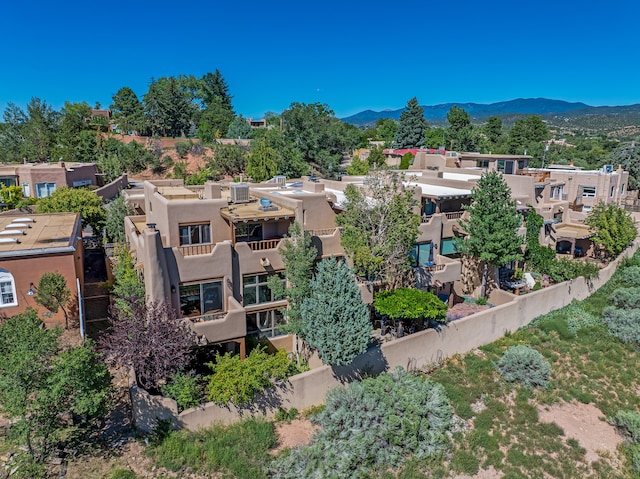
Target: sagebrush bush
{"x": 626, "y": 298}
{"x": 630, "y": 276}
{"x": 371, "y": 425}
{"x": 122, "y": 474}
{"x": 524, "y": 365}
{"x": 629, "y": 422}
{"x": 624, "y": 324}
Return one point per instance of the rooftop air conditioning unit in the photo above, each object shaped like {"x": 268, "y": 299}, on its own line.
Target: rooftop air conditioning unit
{"x": 239, "y": 193}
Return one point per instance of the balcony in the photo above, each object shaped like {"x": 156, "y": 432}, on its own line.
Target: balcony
{"x": 444, "y": 270}
{"x": 324, "y": 232}
{"x": 196, "y": 249}
{"x": 454, "y": 215}
{"x": 220, "y": 326}
{"x": 263, "y": 244}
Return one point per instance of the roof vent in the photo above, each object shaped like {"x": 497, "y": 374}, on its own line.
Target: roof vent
{"x": 23, "y": 220}
{"x": 239, "y": 193}
{"x": 18, "y": 225}
{"x": 14, "y": 232}
{"x": 9, "y": 240}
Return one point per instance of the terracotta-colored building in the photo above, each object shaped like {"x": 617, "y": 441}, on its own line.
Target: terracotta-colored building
{"x": 39, "y": 180}
{"x": 31, "y": 245}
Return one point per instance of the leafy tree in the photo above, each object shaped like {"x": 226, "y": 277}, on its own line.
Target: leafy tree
{"x": 411, "y": 128}
{"x": 376, "y": 158}
{"x": 406, "y": 161}
{"x": 298, "y": 256}
{"x": 358, "y": 167}
{"x": 237, "y": 381}
{"x": 410, "y": 304}
{"x": 12, "y": 140}
{"x": 335, "y": 321}
{"x": 380, "y": 228}
{"x": 114, "y": 221}
{"x": 371, "y": 426}
{"x": 214, "y": 121}
{"x": 39, "y": 131}
{"x": 11, "y": 196}
{"x": 185, "y": 389}
{"x": 290, "y": 159}
{"x": 492, "y": 225}
{"x": 127, "y": 282}
{"x": 262, "y": 162}
{"x": 228, "y": 159}
{"x": 628, "y": 155}
{"x": 76, "y": 200}
{"x": 525, "y": 132}
{"x": 465, "y": 137}
{"x": 128, "y": 113}
{"x": 54, "y": 294}
{"x": 386, "y": 129}
{"x": 38, "y": 385}
{"x": 168, "y": 107}
{"x": 74, "y": 120}
{"x": 239, "y": 128}
{"x": 493, "y": 130}
{"x": 150, "y": 339}
{"x": 614, "y": 227}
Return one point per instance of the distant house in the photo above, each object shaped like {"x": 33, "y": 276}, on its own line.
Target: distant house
{"x": 31, "y": 246}
{"x": 39, "y": 180}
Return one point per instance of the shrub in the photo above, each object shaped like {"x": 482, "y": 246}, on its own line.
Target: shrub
{"x": 185, "y": 389}
{"x": 406, "y": 161}
{"x": 237, "y": 381}
{"x": 524, "y": 365}
{"x": 481, "y": 301}
{"x": 624, "y": 324}
{"x": 122, "y": 474}
{"x": 283, "y": 415}
{"x": 409, "y": 303}
{"x": 371, "y": 425}
{"x": 629, "y": 422}
{"x": 630, "y": 276}
{"x": 626, "y": 298}
{"x": 183, "y": 147}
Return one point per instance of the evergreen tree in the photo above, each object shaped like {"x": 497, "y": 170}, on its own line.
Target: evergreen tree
{"x": 465, "y": 137}
{"x": 212, "y": 86}
{"x": 262, "y": 163}
{"x": 127, "y": 111}
{"x": 335, "y": 320}
{"x": 411, "y": 128}
{"x": 492, "y": 226}
{"x": 54, "y": 294}
{"x": 239, "y": 128}
{"x": 493, "y": 130}
{"x": 298, "y": 256}
{"x": 525, "y": 132}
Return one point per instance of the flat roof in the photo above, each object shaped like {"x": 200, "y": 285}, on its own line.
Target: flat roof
{"x": 178, "y": 193}
{"x": 572, "y": 231}
{"x": 437, "y": 191}
{"x": 460, "y": 176}
{"x": 45, "y": 234}
{"x": 253, "y": 210}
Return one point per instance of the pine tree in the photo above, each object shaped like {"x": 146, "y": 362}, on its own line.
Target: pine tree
{"x": 335, "y": 321}
{"x": 492, "y": 226}
{"x": 410, "y": 133}
{"x": 262, "y": 163}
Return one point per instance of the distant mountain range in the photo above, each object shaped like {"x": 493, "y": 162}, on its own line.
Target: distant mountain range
{"x": 549, "y": 109}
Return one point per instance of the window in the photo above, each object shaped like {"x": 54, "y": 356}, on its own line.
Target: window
{"x": 195, "y": 234}
{"x": 588, "y": 191}
{"x": 44, "y": 189}
{"x": 482, "y": 163}
{"x": 26, "y": 191}
{"x": 422, "y": 254}
{"x": 586, "y": 209}
{"x": 82, "y": 183}
{"x": 201, "y": 298}
{"x": 622, "y": 189}
{"x": 255, "y": 289}
{"x": 448, "y": 246}
{"x": 613, "y": 191}
{"x": 500, "y": 166}
{"x": 265, "y": 323}
{"x": 8, "y": 295}
{"x": 248, "y": 232}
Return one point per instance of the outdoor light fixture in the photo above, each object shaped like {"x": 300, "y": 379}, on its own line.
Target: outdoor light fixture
{"x": 32, "y": 289}
{"x": 173, "y": 289}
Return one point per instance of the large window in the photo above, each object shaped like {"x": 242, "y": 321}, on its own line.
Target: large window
{"x": 44, "y": 189}
{"x": 248, "y": 232}
{"x": 422, "y": 254}
{"x": 255, "y": 289}
{"x": 8, "y": 295}
{"x": 588, "y": 191}
{"x": 265, "y": 323}
{"x": 195, "y": 234}
{"x": 201, "y": 298}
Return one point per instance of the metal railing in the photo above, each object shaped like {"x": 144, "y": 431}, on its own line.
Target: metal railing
{"x": 455, "y": 215}
{"x": 434, "y": 267}
{"x": 206, "y": 317}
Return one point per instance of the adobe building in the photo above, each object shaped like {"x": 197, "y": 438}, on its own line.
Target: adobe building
{"x": 39, "y": 180}
{"x": 31, "y": 245}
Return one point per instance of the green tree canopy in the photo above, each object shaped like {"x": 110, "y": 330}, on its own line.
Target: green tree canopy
{"x": 614, "y": 227}
{"x": 411, "y": 127}
{"x": 410, "y": 304}
{"x": 239, "y": 128}
{"x": 127, "y": 111}
{"x": 80, "y": 200}
{"x": 54, "y": 294}
{"x": 492, "y": 225}
{"x": 527, "y": 131}
{"x": 380, "y": 228}
{"x": 335, "y": 320}
{"x": 465, "y": 137}
{"x": 114, "y": 221}
{"x": 262, "y": 162}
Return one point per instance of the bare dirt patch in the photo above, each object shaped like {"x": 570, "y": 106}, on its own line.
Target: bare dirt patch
{"x": 584, "y": 423}
{"x": 292, "y": 434}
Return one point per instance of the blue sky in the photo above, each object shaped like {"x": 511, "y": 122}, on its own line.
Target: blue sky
{"x": 351, "y": 55}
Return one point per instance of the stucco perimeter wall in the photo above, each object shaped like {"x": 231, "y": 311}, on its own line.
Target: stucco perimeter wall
{"x": 113, "y": 189}
{"x": 414, "y": 351}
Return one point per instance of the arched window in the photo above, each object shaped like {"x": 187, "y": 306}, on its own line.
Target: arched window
{"x": 8, "y": 296}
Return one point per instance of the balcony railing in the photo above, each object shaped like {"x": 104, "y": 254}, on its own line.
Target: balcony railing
{"x": 433, "y": 268}
{"x": 264, "y": 244}
{"x": 323, "y": 232}
{"x": 206, "y": 317}
{"x": 454, "y": 215}
{"x": 196, "y": 249}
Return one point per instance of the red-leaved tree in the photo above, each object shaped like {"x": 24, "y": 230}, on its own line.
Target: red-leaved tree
{"x": 150, "y": 339}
